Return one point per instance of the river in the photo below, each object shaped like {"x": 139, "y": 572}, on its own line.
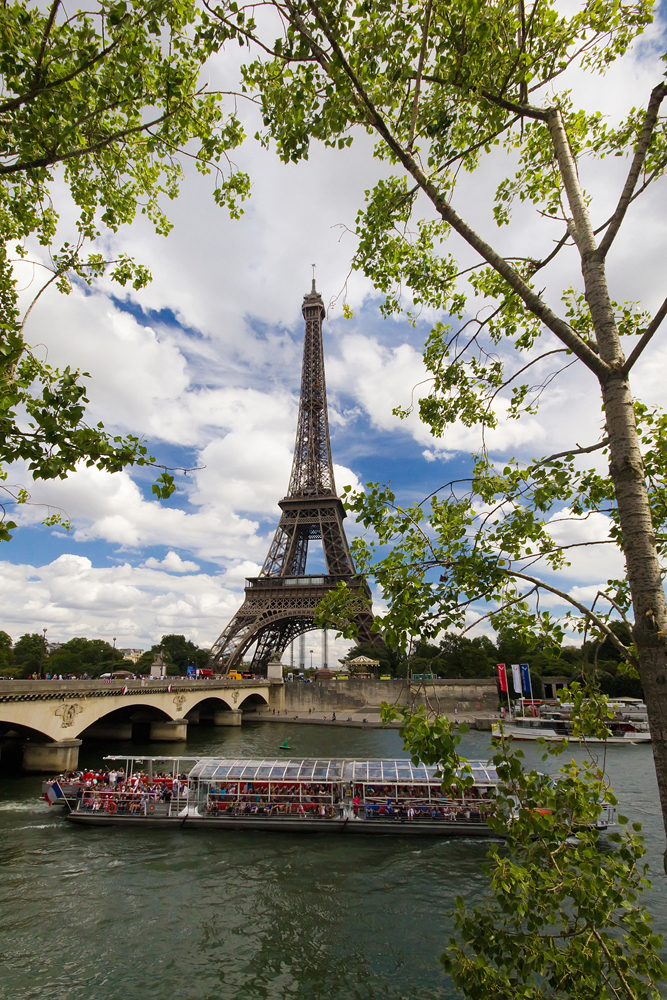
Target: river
{"x": 116, "y": 914}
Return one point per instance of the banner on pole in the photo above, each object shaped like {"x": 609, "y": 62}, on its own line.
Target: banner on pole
{"x": 502, "y": 676}
{"x": 525, "y": 676}
{"x": 516, "y": 679}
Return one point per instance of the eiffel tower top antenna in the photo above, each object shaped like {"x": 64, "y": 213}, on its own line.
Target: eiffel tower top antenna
{"x": 313, "y": 267}
{"x": 312, "y": 466}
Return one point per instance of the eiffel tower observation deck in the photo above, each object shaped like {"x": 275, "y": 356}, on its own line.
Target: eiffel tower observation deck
{"x": 280, "y": 603}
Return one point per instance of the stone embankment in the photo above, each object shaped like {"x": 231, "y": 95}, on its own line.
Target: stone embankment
{"x": 357, "y": 702}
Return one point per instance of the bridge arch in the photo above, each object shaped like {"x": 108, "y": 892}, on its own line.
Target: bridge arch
{"x": 130, "y": 721}
{"x": 207, "y": 706}
{"x": 253, "y": 702}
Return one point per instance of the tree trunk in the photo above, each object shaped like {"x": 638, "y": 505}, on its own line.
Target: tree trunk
{"x": 626, "y": 470}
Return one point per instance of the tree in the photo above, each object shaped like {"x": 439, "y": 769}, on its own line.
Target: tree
{"x": 440, "y": 87}
{"x": 30, "y": 653}
{"x": 389, "y": 660}
{"x": 82, "y": 656}
{"x": 103, "y": 100}
{"x": 563, "y": 915}
{"x": 460, "y": 656}
{"x": 179, "y": 653}
{"x": 6, "y": 654}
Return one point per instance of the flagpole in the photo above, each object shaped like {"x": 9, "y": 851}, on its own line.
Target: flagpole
{"x": 502, "y": 677}
{"x": 530, "y": 682}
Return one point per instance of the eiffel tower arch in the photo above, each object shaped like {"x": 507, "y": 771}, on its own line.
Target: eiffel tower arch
{"x": 280, "y": 603}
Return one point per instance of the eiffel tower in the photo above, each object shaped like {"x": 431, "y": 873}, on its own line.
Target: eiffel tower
{"x": 280, "y": 603}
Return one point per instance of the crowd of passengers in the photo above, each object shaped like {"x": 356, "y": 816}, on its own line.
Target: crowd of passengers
{"x": 115, "y": 791}
{"x": 416, "y": 802}
{"x": 280, "y": 798}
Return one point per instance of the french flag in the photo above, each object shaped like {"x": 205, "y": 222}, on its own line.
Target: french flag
{"x": 54, "y": 793}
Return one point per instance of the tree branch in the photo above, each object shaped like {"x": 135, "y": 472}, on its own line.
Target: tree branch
{"x": 37, "y": 76}
{"x": 582, "y": 230}
{"x": 598, "y": 622}
{"x": 418, "y": 81}
{"x": 572, "y": 451}
{"x": 535, "y": 304}
{"x": 46, "y": 161}
{"x": 16, "y": 102}
{"x": 646, "y": 337}
{"x": 524, "y": 110}
{"x": 657, "y": 95}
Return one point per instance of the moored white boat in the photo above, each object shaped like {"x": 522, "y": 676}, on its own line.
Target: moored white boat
{"x": 555, "y": 729}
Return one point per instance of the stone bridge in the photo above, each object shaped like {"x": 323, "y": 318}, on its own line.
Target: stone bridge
{"x": 52, "y": 717}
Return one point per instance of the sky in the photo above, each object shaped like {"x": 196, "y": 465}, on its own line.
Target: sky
{"x": 204, "y": 364}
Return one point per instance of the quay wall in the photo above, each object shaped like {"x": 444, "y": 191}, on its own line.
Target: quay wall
{"x": 467, "y": 696}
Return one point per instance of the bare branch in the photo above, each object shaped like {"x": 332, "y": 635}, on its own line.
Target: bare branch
{"x": 646, "y": 337}
{"x": 572, "y": 451}
{"x": 657, "y": 95}
{"x": 558, "y": 350}
{"x": 589, "y": 615}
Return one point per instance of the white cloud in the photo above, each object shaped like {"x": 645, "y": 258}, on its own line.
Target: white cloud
{"x": 72, "y": 597}
{"x": 172, "y": 563}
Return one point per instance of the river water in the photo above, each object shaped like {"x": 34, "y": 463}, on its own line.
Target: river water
{"x": 115, "y": 914}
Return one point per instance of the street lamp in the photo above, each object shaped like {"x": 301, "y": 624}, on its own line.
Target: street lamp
{"x": 113, "y": 654}
{"x": 311, "y": 659}
{"x": 41, "y": 655}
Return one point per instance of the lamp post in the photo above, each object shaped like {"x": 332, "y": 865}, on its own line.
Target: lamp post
{"x": 311, "y": 659}
{"x": 113, "y": 655}
{"x": 41, "y": 655}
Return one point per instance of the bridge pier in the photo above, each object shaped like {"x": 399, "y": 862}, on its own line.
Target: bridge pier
{"x": 233, "y": 717}
{"x": 166, "y": 731}
{"x": 51, "y": 758}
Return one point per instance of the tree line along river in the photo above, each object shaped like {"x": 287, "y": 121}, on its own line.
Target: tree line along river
{"x": 117, "y": 914}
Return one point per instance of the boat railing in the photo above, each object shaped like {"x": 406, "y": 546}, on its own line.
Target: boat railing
{"x": 130, "y": 803}
{"x": 257, "y": 805}
{"x": 452, "y": 811}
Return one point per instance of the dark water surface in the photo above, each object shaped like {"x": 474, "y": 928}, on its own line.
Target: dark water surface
{"x": 115, "y": 914}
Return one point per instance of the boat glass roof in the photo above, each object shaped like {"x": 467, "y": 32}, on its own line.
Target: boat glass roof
{"x": 403, "y": 771}
{"x": 399, "y": 771}
{"x": 269, "y": 769}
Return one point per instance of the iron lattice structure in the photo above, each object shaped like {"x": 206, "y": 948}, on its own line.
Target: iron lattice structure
{"x": 280, "y": 603}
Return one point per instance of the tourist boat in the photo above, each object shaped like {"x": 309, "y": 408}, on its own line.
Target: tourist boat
{"x": 628, "y": 727}
{"x": 292, "y": 794}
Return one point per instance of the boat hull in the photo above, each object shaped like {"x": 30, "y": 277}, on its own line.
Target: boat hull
{"x": 410, "y": 828}
{"x": 632, "y": 739}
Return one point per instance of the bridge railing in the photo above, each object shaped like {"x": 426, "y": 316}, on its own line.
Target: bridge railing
{"x": 80, "y": 686}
